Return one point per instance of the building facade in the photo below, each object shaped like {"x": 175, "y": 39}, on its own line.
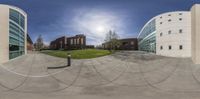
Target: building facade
{"x": 195, "y": 15}
{"x": 167, "y": 34}
{"x": 59, "y": 43}
{"x": 69, "y": 43}
{"x": 174, "y": 34}
{"x": 125, "y": 44}
{"x": 13, "y": 30}
{"x": 29, "y": 43}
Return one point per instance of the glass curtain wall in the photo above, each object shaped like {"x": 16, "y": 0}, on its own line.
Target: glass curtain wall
{"x": 16, "y": 34}
{"x": 147, "y": 38}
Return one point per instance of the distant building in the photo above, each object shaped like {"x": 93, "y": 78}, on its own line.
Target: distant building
{"x": 128, "y": 44}
{"x": 90, "y": 46}
{"x": 125, "y": 44}
{"x": 29, "y": 43}
{"x": 59, "y": 43}
{"x": 68, "y": 43}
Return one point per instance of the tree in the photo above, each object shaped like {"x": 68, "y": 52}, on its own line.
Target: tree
{"x": 39, "y": 43}
{"x": 111, "y": 40}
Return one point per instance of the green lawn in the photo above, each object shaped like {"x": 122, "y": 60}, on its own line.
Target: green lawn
{"x": 78, "y": 54}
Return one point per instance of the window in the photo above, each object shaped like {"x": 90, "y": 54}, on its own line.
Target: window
{"x": 61, "y": 44}
{"x": 160, "y": 34}
{"x": 74, "y": 41}
{"x": 180, "y": 47}
{"x": 160, "y": 22}
{"x": 17, "y": 17}
{"x": 180, "y": 31}
{"x": 13, "y": 47}
{"x": 169, "y": 32}
{"x": 82, "y": 41}
{"x": 169, "y": 20}
{"x": 132, "y": 43}
{"x": 22, "y": 21}
{"x": 77, "y": 41}
{"x": 71, "y": 41}
{"x": 170, "y": 47}
{"x": 161, "y": 47}
{"x": 180, "y": 13}
{"x": 125, "y": 43}
{"x": 161, "y": 17}
{"x": 14, "y": 15}
{"x": 180, "y": 19}
{"x": 65, "y": 40}
{"x": 16, "y": 34}
{"x": 169, "y": 14}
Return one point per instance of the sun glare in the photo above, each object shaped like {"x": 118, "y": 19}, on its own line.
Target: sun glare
{"x": 100, "y": 29}
{"x": 96, "y": 23}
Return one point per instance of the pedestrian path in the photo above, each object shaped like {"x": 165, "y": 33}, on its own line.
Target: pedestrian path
{"x": 123, "y": 74}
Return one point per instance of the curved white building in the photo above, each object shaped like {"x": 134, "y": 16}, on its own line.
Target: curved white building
{"x": 173, "y": 34}
{"x": 167, "y": 34}
{"x": 13, "y": 30}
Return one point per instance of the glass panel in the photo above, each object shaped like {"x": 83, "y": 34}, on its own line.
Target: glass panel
{"x": 16, "y": 34}
{"x": 147, "y": 38}
{"x": 17, "y": 18}
{"x": 14, "y": 47}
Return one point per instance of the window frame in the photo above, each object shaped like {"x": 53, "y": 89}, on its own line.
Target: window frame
{"x": 161, "y": 34}
{"x": 161, "y": 47}
{"x": 170, "y": 47}
{"x": 180, "y": 30}
{"x": 180, "y": 47}
{"x": 169, "y": 32}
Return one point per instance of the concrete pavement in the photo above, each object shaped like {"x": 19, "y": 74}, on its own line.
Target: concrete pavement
{"x": 127, "y": 75}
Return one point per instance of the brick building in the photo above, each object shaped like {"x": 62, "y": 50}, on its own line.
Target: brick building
{"x": 125, "y": 44}
{"x": 69, "y": 43}
{"x": 29, "y": 43}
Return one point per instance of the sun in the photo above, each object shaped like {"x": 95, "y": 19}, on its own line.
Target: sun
{"x": 100, "y": 29}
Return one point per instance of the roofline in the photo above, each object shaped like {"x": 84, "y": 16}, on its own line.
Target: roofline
{"x": 12, "y": 6}
{"x": 127, "y": 38}
{"x": 28, "y": 37}
{"x": 155, "y": 18}
{"x": 67, "y": 37}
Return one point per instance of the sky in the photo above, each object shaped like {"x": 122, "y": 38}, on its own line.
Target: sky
{"x": 93, "y": 18}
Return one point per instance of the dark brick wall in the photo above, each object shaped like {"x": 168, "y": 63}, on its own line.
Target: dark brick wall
{"x": 129, "y": 44}
{"x": 59, "y": 43}
{"x": 29, "y": 43}
{"x": 69, "y": 43}
{"x": 126, "y": 44}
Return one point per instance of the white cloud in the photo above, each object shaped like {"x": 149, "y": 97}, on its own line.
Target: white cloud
{"x": 95, "y": 23}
